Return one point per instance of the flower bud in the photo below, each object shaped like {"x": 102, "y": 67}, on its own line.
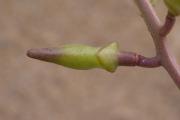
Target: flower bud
{"x": 173, "y": 6}
{"x": 80, "y": 56}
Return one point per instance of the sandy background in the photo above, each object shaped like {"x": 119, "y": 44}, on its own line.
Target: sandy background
{"x": 35, "y": 90}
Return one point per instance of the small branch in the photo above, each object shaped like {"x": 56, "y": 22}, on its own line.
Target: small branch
{"x": 133, "y": 59}
{"x": 149, "y": 15}
{"x": 151, "y": 19}
{"x": 167, "y": 27}
{"x": 169, "y": 63}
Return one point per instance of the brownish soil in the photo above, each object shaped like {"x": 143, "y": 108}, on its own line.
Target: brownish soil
{"x": 35, "y": 90}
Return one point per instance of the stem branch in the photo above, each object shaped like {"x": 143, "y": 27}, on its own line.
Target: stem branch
{"x": 133, "y": 59}
{"x": 168, "y": 25}
{"x": 159, "y": 33}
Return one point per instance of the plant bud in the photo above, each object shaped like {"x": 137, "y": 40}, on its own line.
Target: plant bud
{"x": 80, "y": 56}
{"x": 173, "y": 6}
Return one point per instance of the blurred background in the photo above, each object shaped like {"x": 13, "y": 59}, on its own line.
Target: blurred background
{"x": 36, "y": 90}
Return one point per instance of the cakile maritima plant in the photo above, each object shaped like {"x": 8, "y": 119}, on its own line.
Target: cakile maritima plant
{"x": 83, "y": 57}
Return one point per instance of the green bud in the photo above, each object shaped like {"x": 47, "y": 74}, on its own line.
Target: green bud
{"x": 173, "y": 6}
{"x": 80, "y": 56}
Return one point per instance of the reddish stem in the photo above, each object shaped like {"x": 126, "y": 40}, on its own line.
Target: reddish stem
{"x": 133, "y": 59}
{"x": 168, "y": 25}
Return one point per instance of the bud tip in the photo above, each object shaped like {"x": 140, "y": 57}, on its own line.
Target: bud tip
{"x": 45, "y": 54}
